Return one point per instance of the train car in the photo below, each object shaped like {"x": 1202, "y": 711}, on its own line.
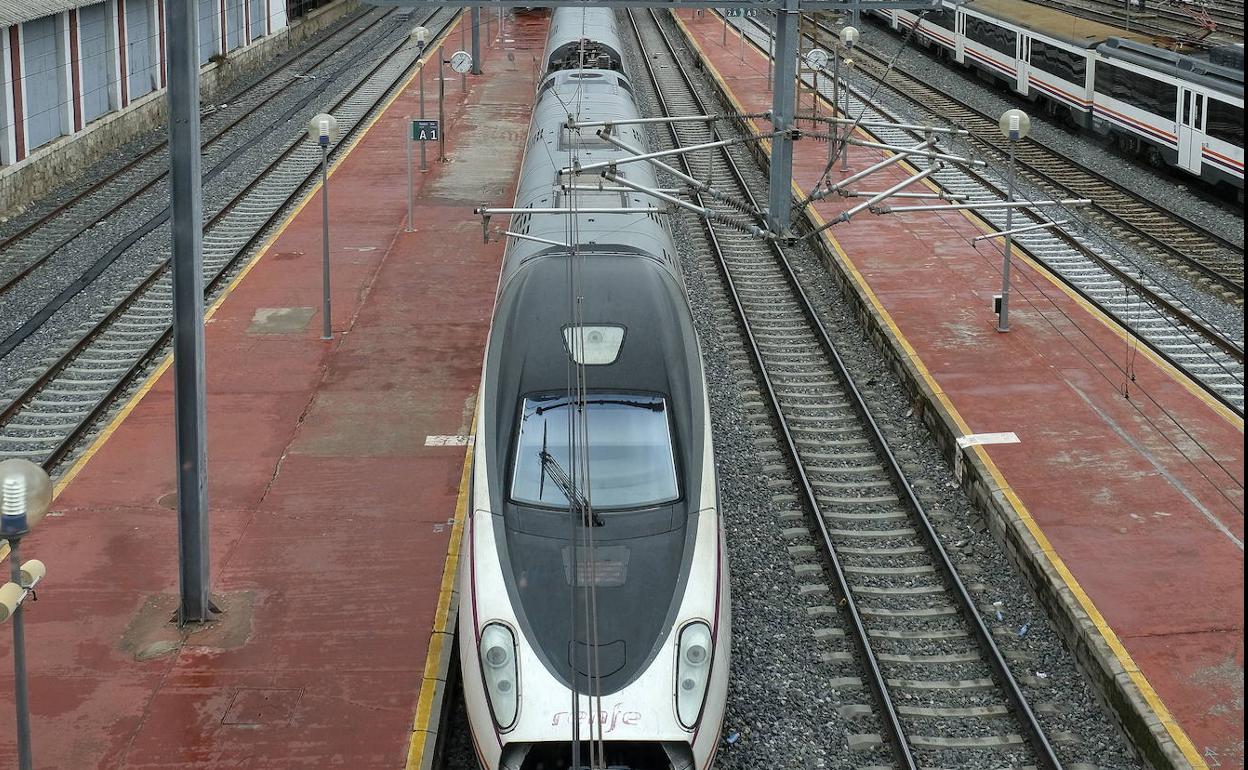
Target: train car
{"x": 595, "y": 619}
{"x": 1173, "y": 108}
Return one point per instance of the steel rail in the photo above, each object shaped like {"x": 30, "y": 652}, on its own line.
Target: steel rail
{"x": 61, "y": 209}
{"x": 72, "y": 437}
{"x": 1023, "y": 713}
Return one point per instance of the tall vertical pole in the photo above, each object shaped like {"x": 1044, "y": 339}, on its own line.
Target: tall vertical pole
{"x": 441, "y": 104}
{"x": 780, "y": 197}
{"x": 463, "y": 43}
{"x": 834, "y": 129}
{"x": 424, "y": 164}
{"x": 327, "y": 329}
{"x": 1003, "y": 320}
{"x": 771, "y": 55}
{"x": 407, "y": 141}
{"x": 476, "y": 40}
{"x": 25, "y": 753}
{"x": 188, "y": 311}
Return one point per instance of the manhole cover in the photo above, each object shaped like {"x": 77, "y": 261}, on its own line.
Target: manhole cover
{"x": 255, "y": 707}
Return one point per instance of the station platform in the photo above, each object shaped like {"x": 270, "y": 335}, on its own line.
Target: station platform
{"x": 1133, "y": 506}
{"x": 336, "y": 479}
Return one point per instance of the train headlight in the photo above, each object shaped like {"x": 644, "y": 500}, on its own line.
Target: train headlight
{"x": 693, "y": 672}
{"x": 498, "y": 667}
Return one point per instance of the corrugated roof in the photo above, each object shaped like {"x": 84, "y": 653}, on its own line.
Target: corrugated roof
{"x": 18, "y": 11}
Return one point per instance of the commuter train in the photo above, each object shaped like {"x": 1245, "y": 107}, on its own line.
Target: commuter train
{"x": 594, "y": 623}
{"x": 1172, "y": 108}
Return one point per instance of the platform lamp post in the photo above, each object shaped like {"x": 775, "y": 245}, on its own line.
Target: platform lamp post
{"x": 849, "y": 36}
{"x": 25, "y": 494}
{"x": 323, "y": 129}
{"x": 1015, "y": 124}
{"x": 418, "y": 38}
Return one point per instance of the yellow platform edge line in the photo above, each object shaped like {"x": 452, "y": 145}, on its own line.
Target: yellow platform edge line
{"x": 1176, "y": 732}
{"x": 64, "y": 481}
{"x": 441, "y": 632}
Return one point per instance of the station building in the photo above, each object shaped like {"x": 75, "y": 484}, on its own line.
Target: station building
{"x": 72, "y": 68}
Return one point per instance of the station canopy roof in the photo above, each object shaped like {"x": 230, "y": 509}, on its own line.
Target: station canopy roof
{"x": 18, "y": 11}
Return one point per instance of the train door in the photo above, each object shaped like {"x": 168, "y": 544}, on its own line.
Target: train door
{"x": 959, "y": 34}
{"x": 1191, "y": 130}
{"x": 1022, "y": 60}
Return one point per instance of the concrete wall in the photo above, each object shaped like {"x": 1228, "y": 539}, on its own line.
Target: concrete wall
{"x": 51, "y": 165}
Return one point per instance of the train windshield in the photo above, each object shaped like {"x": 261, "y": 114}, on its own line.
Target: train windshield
{"x": 630, "y": 455}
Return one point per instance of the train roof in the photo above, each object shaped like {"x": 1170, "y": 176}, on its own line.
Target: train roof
{"x": 1228, "y": 80}
{"x": 1053, "y": 23}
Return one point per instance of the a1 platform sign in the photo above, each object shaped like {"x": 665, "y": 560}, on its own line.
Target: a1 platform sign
{"x": 425, "y": 131}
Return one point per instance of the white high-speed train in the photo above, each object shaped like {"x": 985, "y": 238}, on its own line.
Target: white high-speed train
{"x": 594, "y": 624}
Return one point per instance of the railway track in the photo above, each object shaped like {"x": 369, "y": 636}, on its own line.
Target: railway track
{"x": 1091, "y": 264}
{"x": 31, "y": 246}
{"x": 932, "y": 687}
{"x": 1195, "y": 24}
{"x": 1131, "y": 217}
{"x": 47, "y": 415}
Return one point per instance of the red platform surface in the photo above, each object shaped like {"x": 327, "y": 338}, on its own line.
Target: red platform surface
{"x": 329, "y": 512}
{"x": 1141, "y": 498}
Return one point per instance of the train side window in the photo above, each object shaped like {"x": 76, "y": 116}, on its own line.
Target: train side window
{"x": 986, "y": 33}
{"x": 944, "y": 17}
{"x": 1137, "y": 89}
{"x": 1225, "y": 122}
{"x": 1066, "y": 65}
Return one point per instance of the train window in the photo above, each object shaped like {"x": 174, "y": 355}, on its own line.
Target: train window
{"x": 1137, "y": 89}
{"x": 632, "y": 462}
{"x": 944, "y": 17}
{"x": 1226, "y": 122}
{"x": 1066, "y": 65}
{"x": 986, "y": 33}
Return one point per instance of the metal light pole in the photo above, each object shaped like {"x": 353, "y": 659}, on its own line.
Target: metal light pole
{"x": 190, "y": 421}
{"x": 323, "y": 129}
{"x": 1015, "y": 124}
{"x": 476, "y": 40}
{"x": 849, "y": 36}
{"x": 420, "y": 37}
{"x": 25, "y": 494}
{"x": 441, "y": 103}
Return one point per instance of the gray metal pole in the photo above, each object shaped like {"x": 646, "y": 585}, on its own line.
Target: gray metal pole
{"x": 1003, "y": 320}
{"x": 407, "y": 141}
{"x": 424, "y": 164}
{"x": 327, "y": 330}
{"x": 476, "y": 40}
{"x": 725, "y": 40}
{"x": 463, "y": 43}
{"x": 441, "y": 105}
{"x": 771, "y": 53}
{"x": 834, "y": 129}
{"x": 188, "y": 312}
{"x": 25, "y": 756}
{"x": 780, "y": 197}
